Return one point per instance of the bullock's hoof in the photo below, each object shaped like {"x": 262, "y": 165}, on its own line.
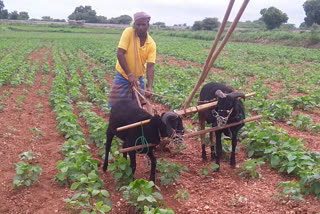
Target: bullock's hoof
{"x": 104, "y": 168}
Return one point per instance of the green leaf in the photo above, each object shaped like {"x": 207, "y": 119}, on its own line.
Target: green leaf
{"x": 75, "y": 185}
{"x": 95, "y": 192}
{"x": 291, "y": 157}
{"x": 105, "y": 193}
{"x": 316, "y": 187}
{"x": 290, "y": 169}
{"x": 158, "y": 195}
{"x": 141, "y": 198}
{"x": 275, "y": 160}
{"x": 151, "y": 199}
{"x": 105, "y": 208}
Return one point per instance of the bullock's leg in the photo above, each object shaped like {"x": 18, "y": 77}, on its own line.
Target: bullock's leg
{"x": 153, "y": 166}
{"x": 202, "y": 137}
{"x": 125, "y": 154}
{"x": 213, "y": 152}
{"x": 219, "y": 148}
{"x": 233, "y": 152}
{"x": 133, "y": 165}
{"x": 110, "y": 136}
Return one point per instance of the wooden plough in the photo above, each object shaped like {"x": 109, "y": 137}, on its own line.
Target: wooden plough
{"x": 208, "y": 64}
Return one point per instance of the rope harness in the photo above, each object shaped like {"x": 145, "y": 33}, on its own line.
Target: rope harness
{"x": 144, "y": 143}
{"x": 175, "y": 138}
{"x": 221, "y": 121}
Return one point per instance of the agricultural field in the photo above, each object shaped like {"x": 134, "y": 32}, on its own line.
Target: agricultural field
{"x": 54, "y": 87}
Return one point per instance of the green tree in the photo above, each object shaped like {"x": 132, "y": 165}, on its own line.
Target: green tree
{"x": 123, "y": 19}
{"x": 23, "y": 16}
{"x": 46, "y": 18}
{"x": 3, "y": 13}
{"x": 273, "y": 17}
{"x": 101, "y": 19}
{"x": 14, "y": 15}
{"x": 312, "y": 10}
{"x": 159, "y": 24}
{"x": 84, "y": 13}
{"x": 210, "y": 23}
{"x": 197, "y": 25}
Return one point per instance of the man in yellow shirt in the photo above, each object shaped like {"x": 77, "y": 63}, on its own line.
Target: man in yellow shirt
{"x": 136, "y": 55}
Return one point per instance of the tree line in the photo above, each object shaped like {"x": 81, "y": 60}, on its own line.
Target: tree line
{"x": 271, "y": 17}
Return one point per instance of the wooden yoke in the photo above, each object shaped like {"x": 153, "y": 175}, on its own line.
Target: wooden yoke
{"x": 203, "y": 107}
{"x": 222, "y": 127}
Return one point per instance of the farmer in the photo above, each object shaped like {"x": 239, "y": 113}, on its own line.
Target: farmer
{"x": 136, "y": 54}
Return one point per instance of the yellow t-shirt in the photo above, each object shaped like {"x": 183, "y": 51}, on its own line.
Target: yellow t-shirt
{"x": 146, "y": 53}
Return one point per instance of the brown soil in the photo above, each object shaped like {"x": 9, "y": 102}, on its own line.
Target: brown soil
{"x": 223, "y": 192}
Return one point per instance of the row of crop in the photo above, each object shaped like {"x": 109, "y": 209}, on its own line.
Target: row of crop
{"x": 285, "y": 153}
{"x": 95, "y": 93}
{"x": 97, "y": 129}
{"x": 11, "y": 63}
{"x": 78, "y": 169}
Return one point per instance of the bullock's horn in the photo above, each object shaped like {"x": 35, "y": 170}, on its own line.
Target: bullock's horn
{"x": 220, "y": 94}
{"x": 237, "y": 94}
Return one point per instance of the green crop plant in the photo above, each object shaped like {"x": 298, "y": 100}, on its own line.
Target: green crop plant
{"x": 207, "y": 169}
{"x": 1, "y": 107}
{"x": 170, "y": 172}
{"x": 277, "y": 110}
{"x": 28, "y": 156}
{"x": 140, "y": 193}
{"x": 250, "y": 168}
{"x": 290, "y": 191}
{"x": 45, "y": 80}
{"x": 147, "y": 210}
{"x": 301, "y": 121}
{"x": 37, "y": 134}
{"x": 121, "y": 171}
{"x": 76, "y": 164}
{"x": 39, "y": 107}
{"x": 182, "y": 195}
{"x": 90, "y": 201}
{"x": 42, "y": 92}
{"x": 26, "y": 173}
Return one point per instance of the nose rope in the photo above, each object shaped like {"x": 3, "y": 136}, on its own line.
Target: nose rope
{"x": 221, "y": 121}
{"x": 175, "y": 138}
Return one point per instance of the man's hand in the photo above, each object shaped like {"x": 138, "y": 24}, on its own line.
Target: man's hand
{"x": 148, "y": 92}
{"x": 133, "y": 81}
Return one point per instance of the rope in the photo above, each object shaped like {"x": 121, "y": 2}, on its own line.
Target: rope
{"x": 144, "y": 143}
{"x": 159, "y": 95}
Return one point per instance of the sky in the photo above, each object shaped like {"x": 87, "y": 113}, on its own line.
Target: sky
{"x": 168, "y": 11}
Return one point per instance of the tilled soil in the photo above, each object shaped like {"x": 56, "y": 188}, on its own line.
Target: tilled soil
{"x": 223, "y": 192}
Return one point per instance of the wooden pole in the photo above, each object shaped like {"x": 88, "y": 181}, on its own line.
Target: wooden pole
{"x": 129, "y": 149}
{"x": 140, "y": 123}
{"x": 216, "y": 40}
{"x": 223, "y": 127}
{"x": 203, "y": 107}
{"x": 216, "y": 53}
{"x": 149, "y": 106}
{"x": 180, "y": 112}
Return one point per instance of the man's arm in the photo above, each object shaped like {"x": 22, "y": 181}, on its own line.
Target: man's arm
{"x": 122, "y": 61}
{"x": 150, "y": 77}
